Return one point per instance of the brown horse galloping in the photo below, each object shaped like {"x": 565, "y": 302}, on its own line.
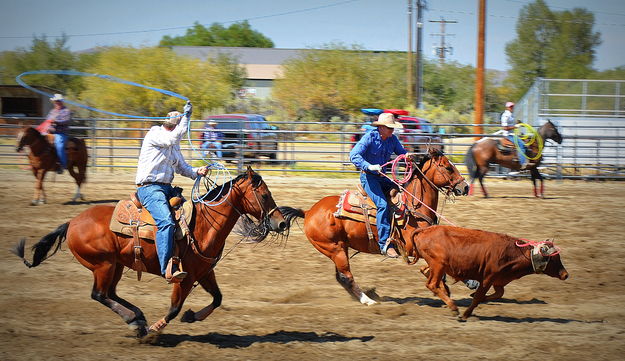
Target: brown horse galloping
{"x": 333, "y": 236}
{"x": 485, "y": 152}
{"x": 43, "y": 158}
{"x": 106, "y": 253}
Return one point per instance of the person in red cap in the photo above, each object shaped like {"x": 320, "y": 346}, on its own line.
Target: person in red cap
{"x": 508, "y": 124}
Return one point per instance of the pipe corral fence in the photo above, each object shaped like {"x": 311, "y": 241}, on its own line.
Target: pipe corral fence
{"x": 588, "y": 113}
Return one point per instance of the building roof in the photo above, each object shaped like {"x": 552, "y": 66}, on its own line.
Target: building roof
{"x": 260, "y": 63}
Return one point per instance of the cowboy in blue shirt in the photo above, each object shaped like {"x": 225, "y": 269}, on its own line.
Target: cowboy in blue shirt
{"x": 372, "y": 150}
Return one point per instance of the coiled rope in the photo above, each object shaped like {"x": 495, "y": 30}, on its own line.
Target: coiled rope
{"x": 528, "y": 138}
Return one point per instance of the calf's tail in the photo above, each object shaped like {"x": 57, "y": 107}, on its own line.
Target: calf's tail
{"x": 42, "y": 247}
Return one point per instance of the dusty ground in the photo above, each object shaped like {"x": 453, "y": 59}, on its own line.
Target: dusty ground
{"x": 281, "y": 301}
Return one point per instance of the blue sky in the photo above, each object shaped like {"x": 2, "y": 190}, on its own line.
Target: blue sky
{"x": 373, "y": 24}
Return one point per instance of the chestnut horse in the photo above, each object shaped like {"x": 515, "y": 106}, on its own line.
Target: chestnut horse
{"x": 333, "y": 236}
{"x": 485, "y": 152}
{"x": 106, "y": 253}
{"x": 43, "y": 158}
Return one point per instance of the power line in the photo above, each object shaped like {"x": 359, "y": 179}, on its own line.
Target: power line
{"x": 443, "y": 48}
{"x": 189, "y": 26}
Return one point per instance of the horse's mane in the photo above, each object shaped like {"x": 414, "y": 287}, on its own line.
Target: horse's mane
{"x": 435, "y": 152}
{"x": 35, "y": 132}
{"x": 222, "y": 190}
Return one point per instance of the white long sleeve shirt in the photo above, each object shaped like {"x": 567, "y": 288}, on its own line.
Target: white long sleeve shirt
{"x": 507, "y": 120}
{"x": 160, "y": 155}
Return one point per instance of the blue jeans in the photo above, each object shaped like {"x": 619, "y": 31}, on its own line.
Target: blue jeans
{"x": 375, "y": 186}
{"x": 155, "y": 198}
{"x": 521, "y": 149}
{"x": 213, "y": 144}
{"x": 59, "y": 143}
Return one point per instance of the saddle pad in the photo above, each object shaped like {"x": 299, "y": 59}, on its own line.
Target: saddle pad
{"x": 349, "y": 207}
{"x": 125, "y": 212}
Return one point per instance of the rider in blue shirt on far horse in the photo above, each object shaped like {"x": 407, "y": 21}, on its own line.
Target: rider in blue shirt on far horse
{"x": 372, "y": 151}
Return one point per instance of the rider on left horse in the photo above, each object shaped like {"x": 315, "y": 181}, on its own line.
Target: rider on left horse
{"x": 160, "y": 156}
{"x": 372, "y": 150}
{"x": 57, "y": 123}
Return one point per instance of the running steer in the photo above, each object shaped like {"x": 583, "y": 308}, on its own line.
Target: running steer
{"x": 493, "y": 259}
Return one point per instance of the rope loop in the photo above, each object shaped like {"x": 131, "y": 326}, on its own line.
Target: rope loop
{"x": 528, "y": 135}
{"x": 19, "y": 80}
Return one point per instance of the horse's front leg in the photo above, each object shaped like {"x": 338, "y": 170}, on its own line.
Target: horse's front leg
{"x": 39, "y": 196}
{"x": 209, "y": 283}
{"x": 535, "y": 174}
{"x": 178, "y": 296}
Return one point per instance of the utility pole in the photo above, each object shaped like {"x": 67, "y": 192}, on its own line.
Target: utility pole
{"x": 410, "y": 67}
{"x": 442, "y": 49}
{"x": 420, "y": 5}
{"x": 479, "y": 75}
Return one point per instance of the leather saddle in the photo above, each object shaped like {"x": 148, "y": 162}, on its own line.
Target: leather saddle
{"x": 131, "y": 219}
{"x": 130, "y": 216}
{"x": 505, "y": 146}
{"x": 356, "y": 205}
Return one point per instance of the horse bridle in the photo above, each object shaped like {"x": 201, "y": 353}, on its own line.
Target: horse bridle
{"x": 263, "y": 212}
{"x": 452, "y": 183}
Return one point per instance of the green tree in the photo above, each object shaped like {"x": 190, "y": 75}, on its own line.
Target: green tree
{"x": 550, "y": 44}
{"x": 338, "y": 81}
{"x": 572, "y": 49}
{"x": 449, "y": 85}
{"x": 207, "y": 85}
{"x": 535, "y": 29}
{"x": 42, "y": 55}
{"x": 237, "y": 34}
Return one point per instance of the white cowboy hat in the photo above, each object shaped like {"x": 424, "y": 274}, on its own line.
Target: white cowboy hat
{"x": 173, "y": 118}
{"x": 57, "y": 98}
{"x": 387, "y": 120}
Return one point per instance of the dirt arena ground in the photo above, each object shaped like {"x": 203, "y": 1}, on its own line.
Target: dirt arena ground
{"x": 281, "y": 301}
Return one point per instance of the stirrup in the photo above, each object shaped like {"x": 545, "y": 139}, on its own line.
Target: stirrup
{"x": 176, "y": 276}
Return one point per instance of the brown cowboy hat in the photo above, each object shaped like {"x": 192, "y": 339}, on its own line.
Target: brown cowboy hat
{"x": 387, "y": 120}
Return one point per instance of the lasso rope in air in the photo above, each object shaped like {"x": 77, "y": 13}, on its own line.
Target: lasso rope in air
{"x": 19, "y": 80}
{"x": 222, "y": 173}
{"x": 528, "y": 139}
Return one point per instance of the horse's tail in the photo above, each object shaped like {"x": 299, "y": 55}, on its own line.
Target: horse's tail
{"x": 290, "y": 214}
{"x": 42, "y": 247}
{"x": 469, "y": 161}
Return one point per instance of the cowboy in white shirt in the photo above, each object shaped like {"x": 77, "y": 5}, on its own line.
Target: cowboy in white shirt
{"x": 160, "y": 157}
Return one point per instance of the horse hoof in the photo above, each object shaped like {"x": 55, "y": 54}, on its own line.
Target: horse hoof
{"x": 150, "y": 338}
{"x": 188, "y": 316}
{"x": 455, "y": 313}
{"x": 34, "y": 202}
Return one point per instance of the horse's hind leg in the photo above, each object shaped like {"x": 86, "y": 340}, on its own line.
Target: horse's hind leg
{"x": 106, "y": 277}
{"x": 209, "y": 283}
{"x": 139, "y": 324}
{"x": 345, "y": 277}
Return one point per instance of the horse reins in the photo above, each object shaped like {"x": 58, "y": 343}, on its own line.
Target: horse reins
{"x": 429, "y": 181}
